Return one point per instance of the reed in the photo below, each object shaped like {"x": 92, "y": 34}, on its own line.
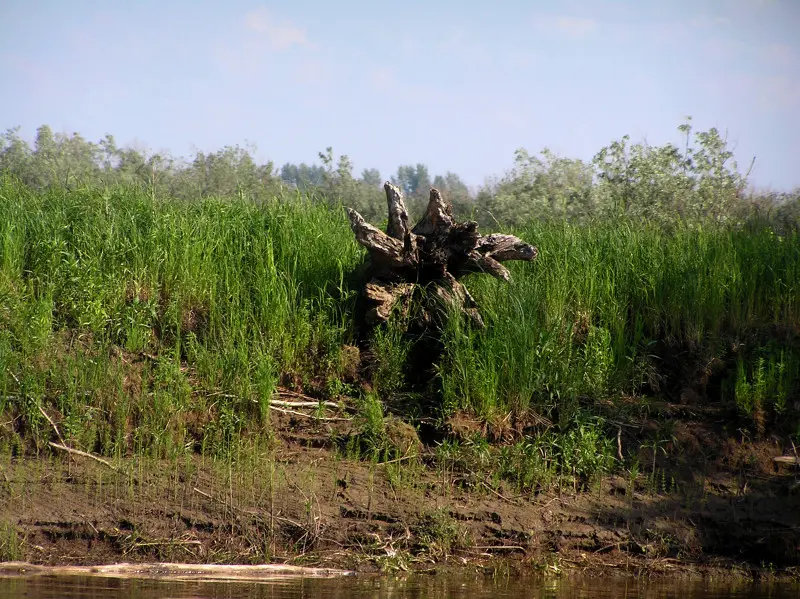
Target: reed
{"x": 157, "y": 327}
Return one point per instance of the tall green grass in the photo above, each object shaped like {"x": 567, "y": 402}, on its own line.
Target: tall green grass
{"x": 134, "y": 316}
{"x": 160, "y": 327}
{"x": 617, "y": 307}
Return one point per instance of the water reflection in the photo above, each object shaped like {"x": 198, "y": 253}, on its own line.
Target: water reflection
{"x": 428, "y": 587}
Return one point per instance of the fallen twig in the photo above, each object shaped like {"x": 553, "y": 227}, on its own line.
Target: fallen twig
{"x": 296, "y": 413}
{"x": 83, "y": 454}
{"x": 204, "y": 494}
{"x": 219, "y": 394}
{"x": 290, "y": 393}
{"x": 53, "y": 424}
{"x": 496, "y": 493}
{"x": 161, "y": 543}
{"x": 302, "y": 404}
{"x": 304, "y": 401}
{"x": 394, "y": 461}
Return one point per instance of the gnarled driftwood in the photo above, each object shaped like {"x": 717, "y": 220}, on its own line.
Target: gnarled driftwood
{"x": 435, "y": 253}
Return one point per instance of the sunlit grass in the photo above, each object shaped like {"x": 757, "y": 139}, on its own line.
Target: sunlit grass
{"x": 161, "y": 327}
{"x": 140, "y": 321}
{"x": 596, "y": 314}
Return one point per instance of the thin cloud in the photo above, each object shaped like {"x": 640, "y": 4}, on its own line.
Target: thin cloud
{"x": 780, "y": 54}
{"x": 509, "y": 116}
{"x": 382, "y": 79}
{"x": 705, "y": 22}
{"x": 251, "y": 50}
{"x": 575, "y": 27}
{"x": 721, "y": 49}
{"x": 313, "y": 72}
{"x": 772, "y": 93}
{"x": 280, "y": 34}
{"x": 563, "y": 25}
{"x": 457, "y": 41}
{"x": 780, "y": 92}
{"x": 37, "y": 74}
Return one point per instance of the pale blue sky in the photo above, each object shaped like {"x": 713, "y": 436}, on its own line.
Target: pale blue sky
{"x": 456, "y": 85}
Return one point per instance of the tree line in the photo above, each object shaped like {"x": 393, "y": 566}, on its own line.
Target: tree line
{"x": 700, "y": 181}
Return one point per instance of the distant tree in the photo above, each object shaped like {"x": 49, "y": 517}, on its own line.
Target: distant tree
{"x": 231, "y": 171}
{"x": 372, "y": 177}
{"x": 784, "y": 209}
{"x": 412, "y": 180}
{"x": 132, "y": 165}
{"x": 16, "y": 156}
{"x": 701, "y": 182}
{"x": 340, "y": 187}
{"x": 544, "y": 186}
{"x": 695, "y": 181}
{"x": 61, "y": 159}
{"x": 415, "y": 183}
{"x": 302, "y": 176}
{"x": 107, "y": 157}
{"x": 456, "y": 191}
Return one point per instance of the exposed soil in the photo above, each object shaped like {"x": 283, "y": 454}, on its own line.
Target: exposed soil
{"x": 718, "y": 503}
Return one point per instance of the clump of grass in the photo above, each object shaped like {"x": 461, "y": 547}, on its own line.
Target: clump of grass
{"x": 10, "y": 543}
{"x": 125, "y": 316}
{"x": 766, "y": 382}
{"x": 576, "y": 456}
{"x": 439, "y": 534}
{"x": 605, "y": 306}
{"x": 390, "y": 349}
{"x": 379, "y": 437}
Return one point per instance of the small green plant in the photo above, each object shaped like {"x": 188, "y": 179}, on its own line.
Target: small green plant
{"x": 10, "y": 543}
{"x": 390, "y": 350}
{"x": 655, "y": 445}
{"x": 369, "y": 440}
{"x": 439, "y": 534}
{"x": 577, "y": 456}
{"x": 765, "y": 383}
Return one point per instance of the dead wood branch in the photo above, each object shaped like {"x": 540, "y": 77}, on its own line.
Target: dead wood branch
{"x": 312, "y": 416}
{"x": 434, "y": 254}
{"x": 83, "y": 454}
{"x": 303, "y": 404}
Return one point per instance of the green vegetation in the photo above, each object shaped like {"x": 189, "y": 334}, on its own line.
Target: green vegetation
{"x": 148, "y": 325}
{"x": 605, "y": 306}
{"x": 139, "y": 321}
{"x": 10, "y": 543}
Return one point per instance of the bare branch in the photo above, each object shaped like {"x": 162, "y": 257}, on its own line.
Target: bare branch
{"x": 83, "y": 454}
{"x": 398, "y": 214}
{"x": 438, "y": 217}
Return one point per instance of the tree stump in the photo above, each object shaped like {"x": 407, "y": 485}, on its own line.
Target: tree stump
{"x": 432, "y": 256}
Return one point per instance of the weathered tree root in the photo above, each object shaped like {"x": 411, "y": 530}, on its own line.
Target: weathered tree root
{"x": 433, "y": 254}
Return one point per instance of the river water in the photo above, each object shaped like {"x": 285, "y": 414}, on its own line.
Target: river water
{"x": 417, "y": 587}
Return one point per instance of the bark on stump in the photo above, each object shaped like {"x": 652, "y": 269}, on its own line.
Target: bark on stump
{"x": 433, "y": 255}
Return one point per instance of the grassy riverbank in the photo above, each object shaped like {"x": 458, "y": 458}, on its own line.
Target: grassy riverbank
{"x": 149, "y": 331}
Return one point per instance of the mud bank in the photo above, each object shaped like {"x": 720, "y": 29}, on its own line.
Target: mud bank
{"x": 303, "y": 504}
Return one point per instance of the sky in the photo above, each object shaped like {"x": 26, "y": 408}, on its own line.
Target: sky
{"x": 456, "y": 85}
